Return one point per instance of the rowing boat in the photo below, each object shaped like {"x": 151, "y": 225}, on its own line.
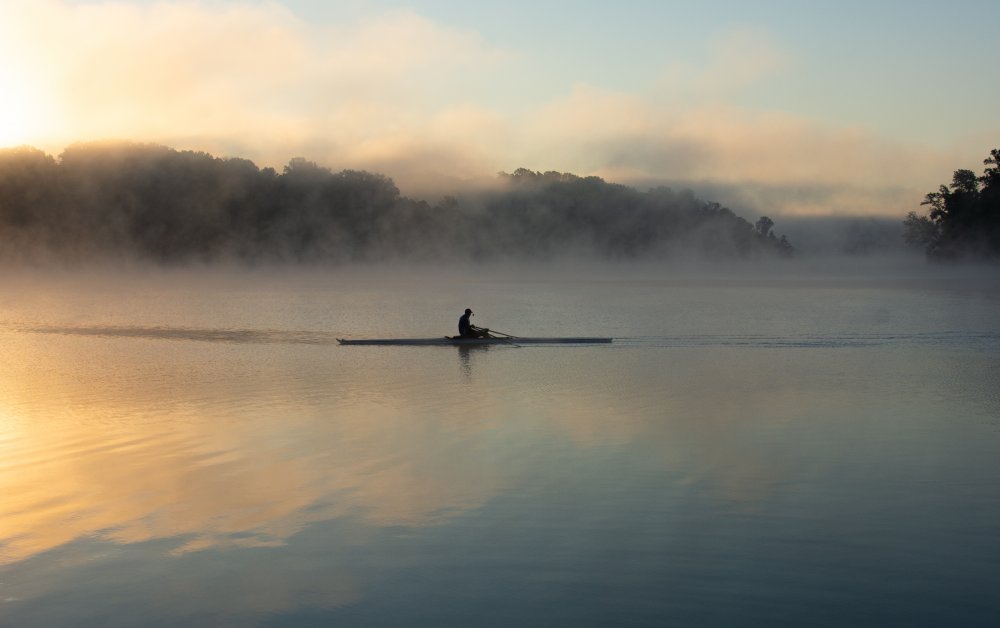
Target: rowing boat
{"x": 457, "y": 341}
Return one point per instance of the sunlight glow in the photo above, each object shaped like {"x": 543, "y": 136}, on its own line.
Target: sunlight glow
{"x": 21, "y": 109}
{"x": 434, "y": 104}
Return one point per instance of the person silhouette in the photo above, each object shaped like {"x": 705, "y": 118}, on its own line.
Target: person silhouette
{"x": 467, "y": 330}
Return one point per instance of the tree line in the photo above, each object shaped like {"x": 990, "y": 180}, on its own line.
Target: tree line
{"x": 964, "y": 217}
{"x": 128, "y": 200}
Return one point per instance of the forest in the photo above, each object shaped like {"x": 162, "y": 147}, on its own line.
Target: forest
{"x": 120, "y": 201}
{"x": 964, "y": 218}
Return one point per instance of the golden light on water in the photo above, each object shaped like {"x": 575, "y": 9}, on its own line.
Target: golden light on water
{"x": 122, "y": 438}
{"x": 135, "y": 440}
{"x": 98, "y": 450}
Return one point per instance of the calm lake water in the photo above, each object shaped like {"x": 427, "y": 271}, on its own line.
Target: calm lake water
{"x": 799, "y": 449}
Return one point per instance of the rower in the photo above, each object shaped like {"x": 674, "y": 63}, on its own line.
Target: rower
{"x": 467, "y": 330}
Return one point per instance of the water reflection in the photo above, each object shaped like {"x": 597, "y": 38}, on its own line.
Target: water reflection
{"x": 259, "y": 476}
{"x": 145, "y": 441}
{"x": 465, "y": 353}
{"x": 232, "y": 445}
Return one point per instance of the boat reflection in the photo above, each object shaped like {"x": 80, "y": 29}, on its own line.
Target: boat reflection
{"x": 465, "y": 353}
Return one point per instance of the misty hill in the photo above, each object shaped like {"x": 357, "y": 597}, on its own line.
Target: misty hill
{"x": 140, "y": 201}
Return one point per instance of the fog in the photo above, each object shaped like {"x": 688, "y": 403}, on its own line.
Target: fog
{"x": 122, "y": 204}
{"x": 127, "y": 203}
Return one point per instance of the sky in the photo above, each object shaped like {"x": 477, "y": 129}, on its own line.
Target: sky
{"x": 769, "y": 107}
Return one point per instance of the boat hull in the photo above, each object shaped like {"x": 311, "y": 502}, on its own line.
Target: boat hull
{"x": 459, "y": 342}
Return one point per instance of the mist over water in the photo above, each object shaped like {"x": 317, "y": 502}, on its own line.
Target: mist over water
{"x": 777, "y": 430}
{"x": 760, "y": 444}
{"x": 797, "y": 419}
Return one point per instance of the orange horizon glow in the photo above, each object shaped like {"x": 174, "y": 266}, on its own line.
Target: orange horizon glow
{"x": 385, "y": 94}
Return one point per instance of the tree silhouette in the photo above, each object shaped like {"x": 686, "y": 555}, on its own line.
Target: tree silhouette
{"x": 763, "y": 226}
{"x": 964, "y": 217}
{"x": 129, "y": 200}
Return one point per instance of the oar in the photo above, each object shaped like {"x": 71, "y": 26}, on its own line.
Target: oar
{"x": 493, "y": 331}
{"x": 512, "y": 340}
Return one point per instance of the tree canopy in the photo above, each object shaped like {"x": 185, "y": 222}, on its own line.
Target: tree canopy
{"x": 964, "y": 217}
{"x": 128, "y": 200}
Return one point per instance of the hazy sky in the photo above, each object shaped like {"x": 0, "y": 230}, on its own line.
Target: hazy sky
{"x": 767, "y": 106}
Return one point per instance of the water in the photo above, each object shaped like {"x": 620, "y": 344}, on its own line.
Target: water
{"x": 195, "y": 449}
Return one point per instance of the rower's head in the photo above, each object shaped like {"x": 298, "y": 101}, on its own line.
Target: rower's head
{"x": 469, "y": 312}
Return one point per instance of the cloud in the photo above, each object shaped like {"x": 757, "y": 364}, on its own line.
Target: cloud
{"x": 737, "y": 57}
{"x": 741, "y": 57}
{"x": 758, "y": 160}
{"x": 397, "y": 93}
{"x": 220, "y": 71}
{"x": 159, "y": 70}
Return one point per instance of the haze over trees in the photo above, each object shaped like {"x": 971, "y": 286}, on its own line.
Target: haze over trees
{"x": 141, "y": 201}
{"x": 964, "y": 218}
